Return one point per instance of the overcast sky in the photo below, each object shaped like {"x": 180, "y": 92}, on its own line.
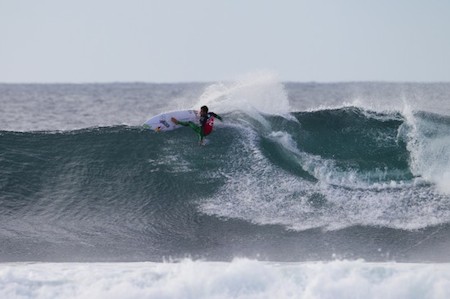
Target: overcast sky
{"x": 215, "y": 40}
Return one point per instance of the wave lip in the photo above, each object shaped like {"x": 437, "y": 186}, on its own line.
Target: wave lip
{"x": 429, "y": 144}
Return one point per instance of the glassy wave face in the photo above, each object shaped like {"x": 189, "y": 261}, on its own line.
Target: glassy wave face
{"x": 273, "y": 182}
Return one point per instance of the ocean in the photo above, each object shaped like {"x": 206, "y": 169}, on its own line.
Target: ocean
{"x": 305, "y": 190}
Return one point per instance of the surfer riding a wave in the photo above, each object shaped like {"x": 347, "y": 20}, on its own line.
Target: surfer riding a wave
{"x": 206, "y": 123}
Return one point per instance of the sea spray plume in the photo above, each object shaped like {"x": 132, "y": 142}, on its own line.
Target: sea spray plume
{"x": 261, "y": 92}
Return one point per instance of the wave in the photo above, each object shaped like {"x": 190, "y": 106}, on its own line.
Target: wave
{"x": 329, "y": 169}
{"x": 347, "y": 149}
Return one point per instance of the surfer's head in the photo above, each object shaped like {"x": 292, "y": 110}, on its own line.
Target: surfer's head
{"x": 203, "y": 110}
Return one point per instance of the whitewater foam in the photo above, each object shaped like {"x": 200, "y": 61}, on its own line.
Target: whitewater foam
{"x": 429, "y": 144}
{"x": 240, "y": 278}
{"x": 334, "y": 199}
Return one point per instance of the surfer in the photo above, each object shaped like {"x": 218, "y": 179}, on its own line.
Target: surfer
{"x": 206, "y": 123}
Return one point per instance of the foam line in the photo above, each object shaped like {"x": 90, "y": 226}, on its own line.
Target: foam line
{"x": 240, "y": 278}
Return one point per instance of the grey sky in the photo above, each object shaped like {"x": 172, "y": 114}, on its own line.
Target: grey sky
{"x": 207, "y": 40}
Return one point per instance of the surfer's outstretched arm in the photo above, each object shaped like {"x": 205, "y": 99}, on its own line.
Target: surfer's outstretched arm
{"x": 216, "y": 116}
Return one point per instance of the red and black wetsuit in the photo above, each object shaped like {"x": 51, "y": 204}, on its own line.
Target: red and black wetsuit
{"x": 207, "y": 123}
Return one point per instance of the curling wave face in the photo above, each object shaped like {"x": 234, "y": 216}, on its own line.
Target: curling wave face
{"x": 334, "y": 169}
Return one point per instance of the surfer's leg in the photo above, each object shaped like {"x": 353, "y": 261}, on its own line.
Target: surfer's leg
{"x": 197, "y": 129}
{"x": 182, "y": 123}
{"x": 194, "y": 126}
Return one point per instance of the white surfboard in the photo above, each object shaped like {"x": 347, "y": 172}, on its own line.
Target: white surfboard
{"x": 162, "y": 122}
